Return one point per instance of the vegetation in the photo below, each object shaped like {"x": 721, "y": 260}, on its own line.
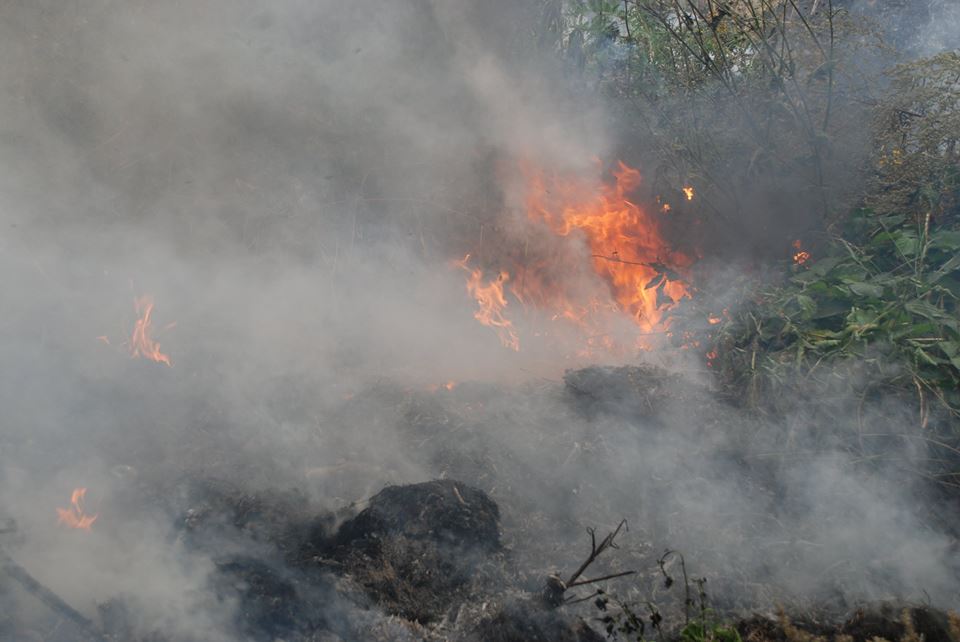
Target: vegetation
{"x": 621, "y": 619}
{"x": 746, "y": 100}
{"x": 789, "y": 115}
{"x": 875, "y": 312}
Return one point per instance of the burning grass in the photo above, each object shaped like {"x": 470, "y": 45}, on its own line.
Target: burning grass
{"x": 600, "y": 233}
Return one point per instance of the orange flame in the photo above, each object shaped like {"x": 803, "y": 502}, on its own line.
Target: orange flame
{"x": 688, "y": 192}
{"x": 142, "y": 343}
{"x": 801, "y": 256}
{"x": 636, "y": 267}
{"x": 492, "y": 301}
{"x": 625, "y": 243}
{"x": 75, "y": 517}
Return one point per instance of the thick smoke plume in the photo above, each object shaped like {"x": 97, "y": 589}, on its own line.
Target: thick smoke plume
{"x": 290, "y": 182}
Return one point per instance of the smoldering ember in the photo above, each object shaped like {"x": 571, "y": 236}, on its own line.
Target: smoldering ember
{"x": 506, "y": 320}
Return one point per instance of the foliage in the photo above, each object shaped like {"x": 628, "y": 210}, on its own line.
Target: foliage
{"x": 893, "y": 296}
{"x": 709, "y": 632}
{"x": 917, "y": 131}
{"x": 621, "y": 619}
{"x": 765, "y": 107}
{"x": 875, "y": 312}
{"x": 742, "y": 99}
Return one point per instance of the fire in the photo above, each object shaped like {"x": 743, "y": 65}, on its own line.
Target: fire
{"x": 75, "y": 517}
{"x": 626, "y": 247}
{"x": 491, "y": 302}
{"x": 142, "y": 343}
{"x": 801, "y": 256}
{"x": 638, "y": 271}
{"x": 450, "y": 385}
{"x": 688, "y": 192}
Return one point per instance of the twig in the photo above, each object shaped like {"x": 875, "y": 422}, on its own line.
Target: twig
{"x": 614, "y": 259}
{"x": 688, "y": 600}
{"x": 553, "y": 593}
{"x": 600, "y": 579}
{"x": 48, "y": 597}
{"x": 596, "y": 550}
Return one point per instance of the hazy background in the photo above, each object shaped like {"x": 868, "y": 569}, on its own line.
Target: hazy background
{"x": 290, "y": 182}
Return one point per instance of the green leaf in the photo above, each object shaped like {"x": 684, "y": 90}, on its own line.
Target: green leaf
{"x": 911, "y": 329}
{"x": 892, "y": 220}
{"x": 862, "y": 317}
{"x": 907, "y": 243}
{"x": 830, "y": 307}
{"x": 949, "y": 266}
{"x": 923, "y": 355}
{"x": 807, "y": 304}
{"x": 948, "y": 240}
{"x": 951, "y": 284}
{"x": 866, "y": 289}
{"x": 950, "y": 348}
{"x": 923, "y": 309}
{"x": 822, "y": 266}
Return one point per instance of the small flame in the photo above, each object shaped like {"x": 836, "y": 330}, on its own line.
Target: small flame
{"x": 450, "y": 385}
{"x": 75, "y": 517}
{"x": 801, "y": 256}
{"x": 714, "y": 320}
{"x": 491, "y": 302}
{"x": 666, "y": 208}
{"x": 688, "y": 192}
{"x": 142, "y": 343}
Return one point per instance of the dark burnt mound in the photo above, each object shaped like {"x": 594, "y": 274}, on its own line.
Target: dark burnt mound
{"x": 443, "y": 511}
{"x": 421, "y": 549}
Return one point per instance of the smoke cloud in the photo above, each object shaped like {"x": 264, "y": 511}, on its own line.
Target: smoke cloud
{"x": 290, "y": 182}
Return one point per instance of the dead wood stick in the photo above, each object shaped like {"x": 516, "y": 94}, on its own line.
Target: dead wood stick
{"x": 48, "y": 597}
{"x": 596, "y": 550}
{"x": 616, "y": 259}
{"x": 553, "y": 592}
{"x": 600, "y": 579}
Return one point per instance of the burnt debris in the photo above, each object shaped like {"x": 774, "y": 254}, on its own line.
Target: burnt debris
{"x": 418, "y": 550}
{"x": 445, "y": 512}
